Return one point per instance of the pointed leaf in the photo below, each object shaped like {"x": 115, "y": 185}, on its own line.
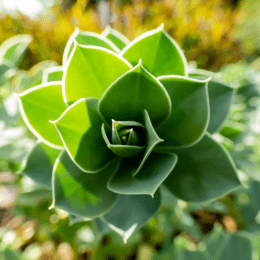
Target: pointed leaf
{"x": 154, "y": 171}
{"x": 73, "y": 219}
{"x": 38, "y": 164}
{"x": 135, "y": 91}
{"x": 116, "y": 37}
{"x": 115, "y": 137}
{"x": 100, "y": 226}
{"x": 38, "y": 106}
{"x": 91, "y": 69}
{"x": 204, "y": 172}
{"x": 52, "y": 74}
{"x": 160, "y": 54}
{"x": 14, "y": 48}
{"x": 220, "y": 98}
{"x": 131, "y": 212}
{"x": 152, "y": 139}
{"x": 80, "y": 193}
{"x": 88, "y": 38}
{"x": 126, "y": 151}
{"x": 80, "y": 130}
{"x": 190, "y": 111}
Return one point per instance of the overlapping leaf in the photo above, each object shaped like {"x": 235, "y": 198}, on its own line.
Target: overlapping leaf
{"x": 52, "y": 74}
{"x": 38, "y": 106}
{"x": 116, "y": 37}
{"x": 88, "y": 38}
{"x": 204, "y": 171}
{"x": 160, "y": 54}
{"x": 220, "y": 98}
{"x": 80, "y": 130}
{"x": 131, "y": 212}
{"x": 190, "y": 111}
{"x": 154, "y": 171}
{"x": 38, "y": 164}
{"x": 89, "y": 72}
{"x": 131, "y": 94}
{"x": 80, "y": 193}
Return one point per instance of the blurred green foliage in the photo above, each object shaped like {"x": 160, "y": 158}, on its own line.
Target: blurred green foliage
{"x": 201, "y": 27}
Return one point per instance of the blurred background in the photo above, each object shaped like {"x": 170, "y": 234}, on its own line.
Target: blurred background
{"x": 217, "y": 35}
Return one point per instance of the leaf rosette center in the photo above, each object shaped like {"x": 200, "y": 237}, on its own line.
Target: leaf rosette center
{"x": 127, "y": 138}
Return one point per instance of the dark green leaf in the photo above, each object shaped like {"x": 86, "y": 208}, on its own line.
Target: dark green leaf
{"x": 80, "y": 193}
{"x": 39, "y": 163}
{"x": 129, "y": 95}
{"x": 220, "y": 98}
{"x": 154, "y": 171}
{"x": 204, "y": 172}
{"x": 131, "y": 212}
{"x": 80, "y": 130}
{"x": 190, "y": 111}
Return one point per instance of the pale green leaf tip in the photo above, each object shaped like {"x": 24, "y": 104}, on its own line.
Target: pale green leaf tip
{"x": 51, "y": 206}
{"x": 161, "y": 27}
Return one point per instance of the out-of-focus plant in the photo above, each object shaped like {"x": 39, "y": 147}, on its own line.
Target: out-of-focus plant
{"x": 125, "y": 119}
{"x": 203, "y": 29}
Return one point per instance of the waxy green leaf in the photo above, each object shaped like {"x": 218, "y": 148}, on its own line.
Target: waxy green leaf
{"x": 80, "y": 130}
{"x": 204, "y": 171}
{"x": 160, "y": 54}
{"x": 89, "y": 72}
{"x": 90, "y": 39}
{"x": 80, "y": 193}
{"x": 38, "y": 106}
{"x": 14, "y": 48}
{"x": 190, "y": 111}
{"x": 220, "y": 98}
{"x": 131, "y": 212}
{"x": 52, "y": 74}
{"x": 116, "y": 37}
{"x": 39, "y": 163}
{"x": 154, "y": 171}
{"x": 129, "y": 95}
{"x": 151, "y": 140}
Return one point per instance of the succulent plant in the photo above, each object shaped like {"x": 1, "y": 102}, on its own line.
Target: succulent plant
{"x": 118, "y": 120}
